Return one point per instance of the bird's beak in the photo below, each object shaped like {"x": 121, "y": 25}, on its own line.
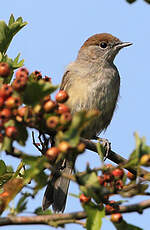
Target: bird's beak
{"x": 123, "y": 44}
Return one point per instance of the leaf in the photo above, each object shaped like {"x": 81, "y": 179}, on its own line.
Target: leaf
{"x": 22, "y": 203}
{"x": 16, "y": 63}
{"x": 94, "y": 216}
{"x": 35, "y": 91}
{"x": 7, "y": 144}
{"x": 22, "y": 134}
{"x": 7, "y": 32}
{"x": 39, "y": 211}
{"x": 90, "y": 186}
{"x": 10, "y": 189}
{"x": 3, "y": 167}
{"x": 124, "y": 225}
{"x": 11, "y": 20}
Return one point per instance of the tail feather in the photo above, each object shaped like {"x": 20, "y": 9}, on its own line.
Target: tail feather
{"x": 57, "y": 189}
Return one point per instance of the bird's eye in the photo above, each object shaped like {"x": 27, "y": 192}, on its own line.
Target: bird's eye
{"x": 103, "y": 45}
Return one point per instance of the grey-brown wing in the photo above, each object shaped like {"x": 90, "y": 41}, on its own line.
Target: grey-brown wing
{"x": 66, "y": 81}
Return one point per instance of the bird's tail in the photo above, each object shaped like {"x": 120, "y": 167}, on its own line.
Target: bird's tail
{"x": 57, "y": 188}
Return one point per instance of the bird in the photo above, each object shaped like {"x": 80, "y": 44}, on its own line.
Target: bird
{"x": 92, "y": 82}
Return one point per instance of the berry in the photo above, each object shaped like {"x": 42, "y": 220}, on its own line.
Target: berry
{"x": 107, "y": 177}
{"x": 19, "y": 83}
{"x": 64, "y": 146}
{"x": 52, "y": 153}
{"x": 1, "y": 101}
{"x": 1, "y": 137}
{"x": 37, "y": 75}
{"x": 4, "y": 69}
{"x": 5, "y": 114}
{"x": 47, "y": 79}
{"x": 131, "y": 176}
{"x": 101, "y": 180}
{"x": 13, "y": 102}
{"x": 5, "y": 91}
{"x": 84, "y": 199}
{"x": 52, "y": 122}
{"x": 119, "y": 184}
{"x": 11, "y": 131}
{"x": 22, "y": 73}
{"x": 22, "y": 111}
{"x": 145, "y": 160}
{"x": 81, "y": 147}
{"x": 118, "y": 173}
{"x": 49, "y": 106}
{"x": 62, "y": 109}
{"x": 112, "y": 206}
{"x": 116, "y": 217}
{"x": 61, "y": 96}
{"x": 65, "y": 118}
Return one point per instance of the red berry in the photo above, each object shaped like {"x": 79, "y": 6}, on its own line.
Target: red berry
{"x": 37, "y": 75}
{"x": 101, "y": 180}
{"x": 65, "y": 118}
{"x": 22, "y": 72}
{"x": 131, "y": 176}
{"x": 107, "y": 177}
{"x": 61, "y": 96}
{"x": 119, "y": 184}
{"x": 48, "y": 79}
{"x": 112, "y": 206}
{"x": 5, "y": 91}
{"x": 13, "y": 102}
{"x": 81, "y": 147}
{"x": 118, "y": 173}
{"x": 1, "y": 101}
{"x": 84, "y": 199}
{"x": 11, "y": 131}
{"x": 52, "y": 153}
{"x": 116, "y": 217}
{"x": 52, "y": 122}
{"x": 5, "y": 114}
{"x": 23, "y": 111}
{"x": 64, "y": 146}
{"x": 62, "y": 109}
{"x": 4, "y": 69}
{"x": 49, "y": 106}
{"x": 19, "y": 83}
{"x": 1, "y": 137}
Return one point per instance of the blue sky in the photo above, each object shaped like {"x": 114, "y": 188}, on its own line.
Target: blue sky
{"x": 52, "y": 38}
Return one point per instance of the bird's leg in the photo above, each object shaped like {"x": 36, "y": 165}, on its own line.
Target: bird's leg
{"x": 106, "y": 144}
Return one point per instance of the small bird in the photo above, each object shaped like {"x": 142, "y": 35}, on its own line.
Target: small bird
{"x": 92, "y": 81}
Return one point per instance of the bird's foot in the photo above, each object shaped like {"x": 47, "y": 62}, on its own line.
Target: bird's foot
{"x": 106, "y": 144}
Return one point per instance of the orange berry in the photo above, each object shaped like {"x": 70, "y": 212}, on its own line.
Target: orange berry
{"x": 84, "y": 199}
{"x": 116, "y": 217}
{"x": 52, "y": 153}
{"x": 4, "y": 69}
{"x": 61, "y": 96}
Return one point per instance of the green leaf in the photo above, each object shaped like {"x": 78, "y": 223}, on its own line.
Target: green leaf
{"x": 7, "y": 32}
{"x": 39, "y": 211}
{"x": 3, "y": 167}
{"x": 16, "y": 63}
{"x": 11, "y": 20}
{"x": 90, "y": 186}
{"x": 94, "y": 216}
{"x": 35, "y": 91}
{"x": 22, "y": 203}
{"x": 7, "y": 144}
{"x": 124, "y": 225}
{"x": 22, "y": 134}
{"x": 1, "y": 56}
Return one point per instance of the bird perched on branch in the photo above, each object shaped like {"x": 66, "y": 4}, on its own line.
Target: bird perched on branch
{"x": 92, "y": 81}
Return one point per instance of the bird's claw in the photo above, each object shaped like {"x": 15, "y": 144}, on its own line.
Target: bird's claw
{"x": 106, "y": 144}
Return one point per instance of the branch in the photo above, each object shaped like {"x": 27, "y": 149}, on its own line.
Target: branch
{"x": 116, "y": 158}
{"x": 60, "y": 219}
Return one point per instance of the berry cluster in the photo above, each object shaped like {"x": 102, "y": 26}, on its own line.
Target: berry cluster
{"x": 112, "y": 179}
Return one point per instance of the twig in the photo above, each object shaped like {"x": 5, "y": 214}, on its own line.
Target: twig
{"x": 60, "y": 219}
{"x": 116, "y": 158}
